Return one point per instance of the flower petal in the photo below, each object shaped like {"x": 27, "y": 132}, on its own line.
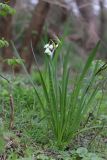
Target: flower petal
{"x": 46, "y": 45}
{"x": 48, "y": 51}
{"x": 56, "y": 46}
{"x": 51, "y": 47}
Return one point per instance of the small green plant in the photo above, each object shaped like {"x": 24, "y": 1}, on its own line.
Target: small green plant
{"x": 13, "y": 62}
{"x": 64, "y": 109}
{"x": 3, "y": 43}
{"x": 83, "y": 154}
{"x": 11, "y": 84}
{"x": 5, "y": 10}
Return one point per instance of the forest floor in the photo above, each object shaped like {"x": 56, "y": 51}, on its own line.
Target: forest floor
{"x": 26, "y": 136}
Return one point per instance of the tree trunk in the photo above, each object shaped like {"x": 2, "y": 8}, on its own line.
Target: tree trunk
{"x": 102, "y": 19}
{"x": 102, "y": 29}
{"x": 91, "y": 35}
{"x": 6, "y": 32}
{"x": 33, "y": 32}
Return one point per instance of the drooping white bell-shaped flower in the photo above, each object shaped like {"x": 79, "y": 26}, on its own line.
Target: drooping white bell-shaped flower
{"x": 50, "y": 48}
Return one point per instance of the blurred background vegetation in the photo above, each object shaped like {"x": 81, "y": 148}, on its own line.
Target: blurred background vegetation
{"x": 38, "y": 21}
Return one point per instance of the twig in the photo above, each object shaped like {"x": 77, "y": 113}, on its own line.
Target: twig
{"x": 4, "y": 78}
{"x": 11, "y": 112}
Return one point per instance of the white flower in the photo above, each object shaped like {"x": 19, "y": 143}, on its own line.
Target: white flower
{"x": 49, "y": 52}
{"x": 46, "y": 45}
{"x": 50, "y": 48}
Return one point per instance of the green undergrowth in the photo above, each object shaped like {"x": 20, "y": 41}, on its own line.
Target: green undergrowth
{"x": 32, "y": 137}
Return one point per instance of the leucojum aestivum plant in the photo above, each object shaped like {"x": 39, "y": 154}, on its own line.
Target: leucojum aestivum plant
{"x": 64, "y": 110}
